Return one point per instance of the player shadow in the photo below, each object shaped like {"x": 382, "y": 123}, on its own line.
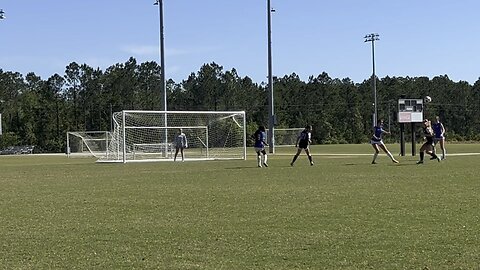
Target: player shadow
{"x": 401, "y": 164}
{"x": 353, "y": 164}
{"x": 240, "y": 168}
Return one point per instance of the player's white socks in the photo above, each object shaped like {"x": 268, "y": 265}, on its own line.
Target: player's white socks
{"x": 259, "y": 161}
{"x": 264, "y": 159}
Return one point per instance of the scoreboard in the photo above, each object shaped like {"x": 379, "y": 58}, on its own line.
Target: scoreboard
{"x": 410, "y": 110}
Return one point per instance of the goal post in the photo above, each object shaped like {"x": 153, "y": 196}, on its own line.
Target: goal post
{"x": 149, "y": 135}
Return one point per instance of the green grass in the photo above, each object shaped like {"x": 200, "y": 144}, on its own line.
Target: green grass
{"x": 342, "y": 213}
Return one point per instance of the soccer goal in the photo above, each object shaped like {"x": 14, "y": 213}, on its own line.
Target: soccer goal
{"x": 88, "y": 143}
{"x": 150, "y": 135}
{"x": 286, "y": 136}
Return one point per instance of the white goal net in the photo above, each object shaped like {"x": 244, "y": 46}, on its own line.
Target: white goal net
{"x": 88, "y": 143}
{"x": 150, "y": 135}
{"x": 286, "y": 136}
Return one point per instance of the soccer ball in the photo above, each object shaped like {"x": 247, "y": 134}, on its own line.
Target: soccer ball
{"x": 428, "y": 99}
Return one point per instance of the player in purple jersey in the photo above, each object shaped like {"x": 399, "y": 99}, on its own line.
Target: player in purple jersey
{"x": 377, "y": 142}
{"x": 260, "y": 136}
{"x": 439, "y": 131}
{"x": 428, "y": 146}
{"x": 303, "y": 142}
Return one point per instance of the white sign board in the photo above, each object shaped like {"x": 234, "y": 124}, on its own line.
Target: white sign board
{"x": 410, "y": 110}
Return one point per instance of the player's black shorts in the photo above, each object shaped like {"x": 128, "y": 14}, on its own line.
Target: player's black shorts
{"x": 303, "y": 145}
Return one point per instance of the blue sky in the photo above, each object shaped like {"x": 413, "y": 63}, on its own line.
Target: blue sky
{"x": 417, "y": 37}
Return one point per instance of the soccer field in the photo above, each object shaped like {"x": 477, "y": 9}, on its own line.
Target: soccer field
{"x": 341, "y": 213}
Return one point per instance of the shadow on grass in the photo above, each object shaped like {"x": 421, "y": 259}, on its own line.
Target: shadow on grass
{"x": 241, "y": 168}
{"x": 402, "y": 164}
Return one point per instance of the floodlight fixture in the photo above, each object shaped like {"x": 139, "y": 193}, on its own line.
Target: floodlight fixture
{"x": 371, "y": 37}
{"x": 2, "y": 14}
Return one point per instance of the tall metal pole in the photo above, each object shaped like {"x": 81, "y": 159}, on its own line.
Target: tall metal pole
{"x": 162, "y": 70}
{"x": 2, "y": 16}
{"x": 271, "y": 115}
{"x": 162, "y": 54}
{"x": 372, "y": 38}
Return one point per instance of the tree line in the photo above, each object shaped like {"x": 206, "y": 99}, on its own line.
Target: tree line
{"x": 40, "y": 112}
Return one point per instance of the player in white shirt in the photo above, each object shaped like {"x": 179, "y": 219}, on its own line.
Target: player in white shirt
{"x": 180, "y": 144}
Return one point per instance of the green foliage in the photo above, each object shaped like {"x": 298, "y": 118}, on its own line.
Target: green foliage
{"x": 41, "y": 112}
{"x": 9, "y": 139}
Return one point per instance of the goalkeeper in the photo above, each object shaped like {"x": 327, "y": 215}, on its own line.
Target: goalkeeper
{"x": 180, "y": 144}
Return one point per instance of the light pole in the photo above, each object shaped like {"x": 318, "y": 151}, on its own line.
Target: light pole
{"x": 372, "y": 38}
{"x": 1, "y": 103}
{"x": 162, "y": 71}
{"x": 271, "y": 115}
{"x": 159, "y": 3}
{"x": 2, "y": 16}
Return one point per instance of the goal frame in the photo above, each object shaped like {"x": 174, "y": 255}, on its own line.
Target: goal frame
{"x": 78, "y": 134}
{"x": 120, "y": 135}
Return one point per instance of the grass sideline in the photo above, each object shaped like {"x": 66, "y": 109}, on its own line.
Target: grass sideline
{"x": 342, "y": 213}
